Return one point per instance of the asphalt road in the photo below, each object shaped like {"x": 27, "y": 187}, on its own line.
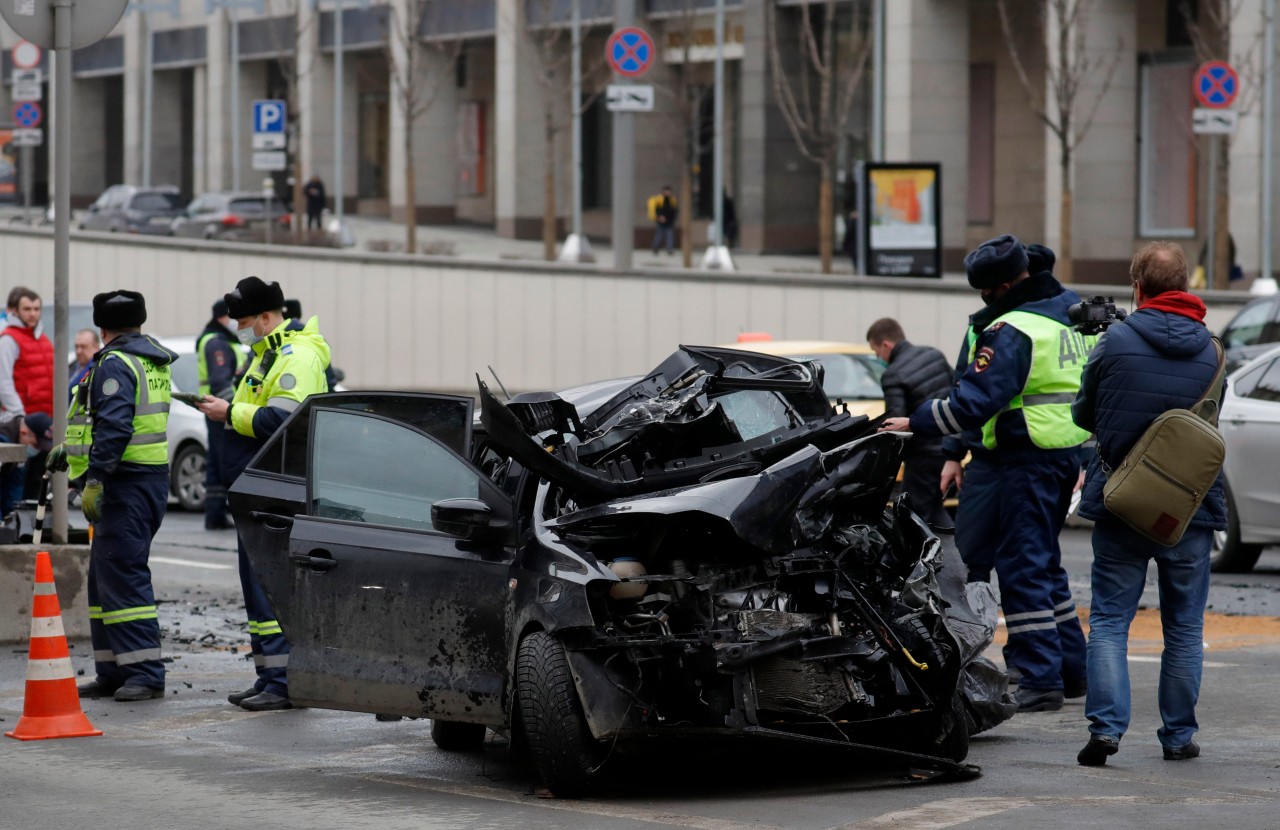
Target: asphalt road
{"x": 193, "y": 760}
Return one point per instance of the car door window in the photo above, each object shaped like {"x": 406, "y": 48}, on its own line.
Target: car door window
{"x": 1268, "y": 386}
{"x": 367, "y": 469}
{"x": 1246, "y": 329}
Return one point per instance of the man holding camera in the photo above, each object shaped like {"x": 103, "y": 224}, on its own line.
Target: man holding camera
{"x": 1160, "y": 358}
{"x": 1014, "y": 398}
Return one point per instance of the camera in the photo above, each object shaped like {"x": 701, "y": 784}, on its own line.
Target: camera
{"x": 1094, "y": 315}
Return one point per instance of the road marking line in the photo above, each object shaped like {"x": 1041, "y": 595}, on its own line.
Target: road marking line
{"x": 951, "y": 812}
{"x": 165, "y": 560}
{"x": 585, "y": 807}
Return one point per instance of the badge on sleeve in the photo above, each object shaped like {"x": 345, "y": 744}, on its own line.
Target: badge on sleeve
{"x": 983, "y": 359}
{"x": 220, "y": 358}
{"x": 110, "y": 386}
{"x": 288, "y": 381}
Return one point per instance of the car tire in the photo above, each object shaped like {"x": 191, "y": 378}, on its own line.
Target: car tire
{"x": 188, "y": 471}
{"x": 1229, "y": 554}
{"x": 952, "y": 740}
{"x": 452, "y": 736}
{"x": 563, "y": 749}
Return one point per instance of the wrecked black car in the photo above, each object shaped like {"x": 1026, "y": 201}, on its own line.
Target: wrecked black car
{"x": 707, "y": 550}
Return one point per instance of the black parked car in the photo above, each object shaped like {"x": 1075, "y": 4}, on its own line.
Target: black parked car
{"x": 706, "y": 550}
{"x": 124, "y": 208}
{"x": 1252, "y": 332}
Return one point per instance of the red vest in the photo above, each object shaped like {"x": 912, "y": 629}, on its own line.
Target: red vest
{"x": 33, "y": 371}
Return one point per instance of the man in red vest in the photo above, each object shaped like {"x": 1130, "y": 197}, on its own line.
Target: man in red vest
{"x": 26, "y": 357}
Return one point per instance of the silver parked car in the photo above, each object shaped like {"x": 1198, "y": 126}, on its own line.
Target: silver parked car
{"x": 124, "y": 208}
{"x": 231, "y": 216}
{"x": 1250, "y": 423}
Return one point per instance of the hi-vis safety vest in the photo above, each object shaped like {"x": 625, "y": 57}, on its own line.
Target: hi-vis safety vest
{"x": 149, "y": 443}
{"x": 202, "y": 362}
{"x": 1058, "y": 355}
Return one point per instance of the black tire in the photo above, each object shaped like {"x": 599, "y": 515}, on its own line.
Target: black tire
{"x": 953, "y": 732}
{"x": 187, "y": 472}
{"x": 1229, "y": 554}
{"x": 563, "y": 749}
{"x": 452, "y": 736}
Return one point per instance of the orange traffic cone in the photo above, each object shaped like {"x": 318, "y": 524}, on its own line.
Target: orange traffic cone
{"x": 51, "y": 708}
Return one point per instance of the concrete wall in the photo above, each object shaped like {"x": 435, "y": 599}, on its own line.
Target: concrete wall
{"x": 396, "y": 321}
{"x": 17, "y": 587}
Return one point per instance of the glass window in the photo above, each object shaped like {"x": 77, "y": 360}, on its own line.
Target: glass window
{"x": 1268, "y": 386}
{"x": 156, "y": 201}
{"x": 183, "y": 373}
{"x": 1168, "y": 162}
{"x": 1243, "y": 385}
{"x": 851, "y": 377}
{"x": 366, "y": 469}
{"x": 1246, "y": 328}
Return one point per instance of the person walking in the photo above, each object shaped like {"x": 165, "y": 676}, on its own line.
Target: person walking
{"x": 218, "y": 362}
{"x": 314, "y": 191}
{"x": 913, "y": 375}
{"x": 117, "y": 445}
{"x": 288, "y": 366}
{"x": 663, "y": 212}
{"x": 1160, "y": 358}
{"x": 26, "y": 356}
{"x": 1015, "y": 393}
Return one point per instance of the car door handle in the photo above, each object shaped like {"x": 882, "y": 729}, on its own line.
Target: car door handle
{"x": 273, "y": 522}
{"x": 316, "y": 560}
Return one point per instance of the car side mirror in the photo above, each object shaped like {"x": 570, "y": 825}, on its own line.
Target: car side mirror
{"x": 469, "y": 519}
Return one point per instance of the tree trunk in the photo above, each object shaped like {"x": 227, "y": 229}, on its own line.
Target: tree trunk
{"x": 826, "y": 218}
{"x": 410, "y": 191}
{"x": 1066, "y": 260}
{"x": 1222, "y": 217}
{"x": 549, "y": 196}
{"x": 685, "y": 206}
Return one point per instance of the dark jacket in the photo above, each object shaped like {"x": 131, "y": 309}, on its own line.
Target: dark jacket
{"x": 111, "y": 398}
{"x": 1152, "y": 362}
{"x": 915, "y": 374}
{"x": 314, "y": 191}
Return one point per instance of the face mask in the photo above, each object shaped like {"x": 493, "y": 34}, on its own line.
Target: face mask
{"x": 247, "y": 336}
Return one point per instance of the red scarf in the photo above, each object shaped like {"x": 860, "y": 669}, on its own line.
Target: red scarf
{"x": 1177, "y": 302}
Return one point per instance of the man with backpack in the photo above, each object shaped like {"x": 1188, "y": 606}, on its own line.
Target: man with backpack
{"x": 1160, "y": 358}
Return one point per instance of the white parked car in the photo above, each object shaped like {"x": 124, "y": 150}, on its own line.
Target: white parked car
{"x": 1250, "y": 424}
{"x": 188, "y": 437}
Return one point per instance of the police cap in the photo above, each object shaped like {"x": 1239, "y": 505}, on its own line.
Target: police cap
{"x": 996, "y": 262}
{"x": 119, "y": 310}
{"x": 252, "y": 297}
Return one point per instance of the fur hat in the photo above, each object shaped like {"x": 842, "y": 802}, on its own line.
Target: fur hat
{"x": 1040, "y": 258}
{"x": 119, "y": 310}
{"x": 220, "y": 309}
{"x": 293, "y": 309}
{"x": 996, "y": 262}
{"x": 252, "y": 297}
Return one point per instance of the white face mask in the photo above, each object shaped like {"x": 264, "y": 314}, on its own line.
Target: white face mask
{"x": 247, "y": 336}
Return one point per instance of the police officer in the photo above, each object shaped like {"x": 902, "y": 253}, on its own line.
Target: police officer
{"x": 1014, "y": 397}
{"x": 116, "y": 445}
{"x": 288, "y": 365}
{"x": 219, "y": 360}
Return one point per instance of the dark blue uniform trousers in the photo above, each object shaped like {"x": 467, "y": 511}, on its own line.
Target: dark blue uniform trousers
{"x": 215, "y": 492}
{"x": 1012, "y": 508}
{"x": 123, "y": 623}
{"x": 270, "y": 648}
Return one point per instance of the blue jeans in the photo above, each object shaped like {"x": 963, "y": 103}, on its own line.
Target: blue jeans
{"x": 1120, "y": 559}
{"x": 664, "y": 235}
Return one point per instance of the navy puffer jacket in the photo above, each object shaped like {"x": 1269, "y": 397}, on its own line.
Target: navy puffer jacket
{"x": 1152, "y": 362}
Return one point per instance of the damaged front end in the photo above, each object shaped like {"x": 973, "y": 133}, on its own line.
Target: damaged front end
{"x": 761, "y": 582}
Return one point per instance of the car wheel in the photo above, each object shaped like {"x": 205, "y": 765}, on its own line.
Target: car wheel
{"x": 563, "y": 750}
{"x": 452, "y": 736}
{"x": 1229, "y": 554}
{"x": 188, "y": 477}
{"x": 210, "y": 232}
{"x": 952, "y": 740}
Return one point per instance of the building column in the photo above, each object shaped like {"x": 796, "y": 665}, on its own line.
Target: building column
{"x": 1245, "y": 187}
{"x": 310, "y": 91}
{"x": 214, "y": 115}
{"x": 926, "y": 92}
{"x": 133, "y": 81}
{"x": 1105, "y": 187}
{"x": 518, "y": 134}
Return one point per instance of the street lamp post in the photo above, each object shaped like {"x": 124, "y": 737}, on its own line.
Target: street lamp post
{"x": 717, "y": 257}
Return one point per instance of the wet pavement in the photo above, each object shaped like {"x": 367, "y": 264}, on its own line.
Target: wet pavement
{"x": 192, "y": 760}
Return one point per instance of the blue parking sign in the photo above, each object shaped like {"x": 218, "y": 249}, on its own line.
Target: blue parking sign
{"x": 268, "y": 116}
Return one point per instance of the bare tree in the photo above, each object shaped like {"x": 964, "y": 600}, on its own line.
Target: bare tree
{"x": 1210, "y": 32}
{"x": 414, "y": 88}
{"x": 1072, "y": 64}
{"x": 293, "y": 69}
{"x": 817, "y": 97}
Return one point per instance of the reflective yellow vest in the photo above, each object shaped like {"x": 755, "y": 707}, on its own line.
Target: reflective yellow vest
{"x": 202, "y": 363}
{"x": 1058, "y": 355}
{"x": 149, "y": 444}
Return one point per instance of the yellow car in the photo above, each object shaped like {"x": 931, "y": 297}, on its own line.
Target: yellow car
{"x": 852, "y": 371}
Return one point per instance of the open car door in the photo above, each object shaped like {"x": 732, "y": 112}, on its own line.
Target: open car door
{"x": 384, "y": 611}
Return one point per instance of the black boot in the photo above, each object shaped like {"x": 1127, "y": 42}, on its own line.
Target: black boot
{"x": 1099, "y": 748}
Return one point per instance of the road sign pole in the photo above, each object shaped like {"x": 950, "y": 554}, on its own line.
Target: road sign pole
{"x": 1268, "y": 128}
{"x": 148, "y": 97}
{"x": 26, "y": 185}
{"x": 338, "y": 120}
{"x": 576, "y": 104}
{"x": 61, "y": 241}
{"x": 1211, "y": 249}
{"x": 624, "y": 166}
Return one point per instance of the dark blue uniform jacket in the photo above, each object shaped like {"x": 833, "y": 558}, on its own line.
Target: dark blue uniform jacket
{"x": 113, "y": 414}
{"x": 1152, "y": 362}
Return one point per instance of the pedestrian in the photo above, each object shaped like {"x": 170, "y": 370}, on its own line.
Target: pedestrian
{"x": 314, "y": 191}
{"x": 1014, "y": 401}
{"x": 116, "y": 444}
{"x": 914, "y": 374}
{"x": 26, "y": 356}
{"x": 850, "y": 243}
{"x": 219, "y": 359}
{"x": 730, "y": 214}
{"x": 87, "y": 344}
{"x": 663, "y": 212}
{"x": 1160, "y": 358}
{"x": 35, "y": 431}
{"x": 288, "y": 365}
